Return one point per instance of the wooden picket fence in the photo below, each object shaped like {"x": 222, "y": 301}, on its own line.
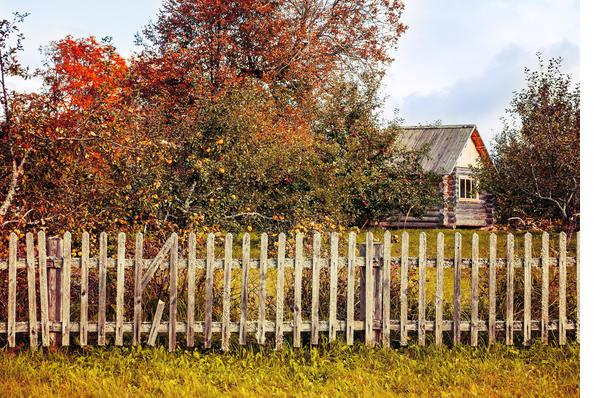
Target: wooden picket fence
{"x": 49, "y": 265}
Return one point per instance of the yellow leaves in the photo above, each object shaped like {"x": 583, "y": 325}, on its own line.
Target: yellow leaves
{"x": 221, "y": 170}
{"x": 249, "y": 228}
{"x": 234, "y": 196}
{"x": 157, "y": 184}
{"x": 220, "y": 141}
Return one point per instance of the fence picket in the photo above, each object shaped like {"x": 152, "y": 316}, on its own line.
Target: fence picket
{"x": 527, "y": 290}
{"x": 137, "y": 288}
{"x": 83, "y": 311}
{"x": 577, "y": 272}
{"x": 208, "y": 298}
{"x": 262, "y": 296}
{"x": 225, "y": 328}
{"x": 386, "y": 284}
{"x": 439, "y": 289}
{"x": 316, "y": 274}
{"x": 457, "y": 272}
{"x": 120, "y": 300}
{"x": 510, "y": 280}
{"x": 376, "y": 319}
{"x": 102, "y": 266}
{"x": 492, "y": 291}
{"x": 369, "y": 291}
{"x": 422, "y": 276}
{"x": 41, "y": 240}
{"x": 350, "y": 287}
{"x": 156, "y": 323}
{"x": 244, "y": 293}
{"x": 298, "y": 265}
{"x": 404, "y": 290}
{"x": 562, "y": 288}
{"x": 65, "y": 312}
{"x": 279, "y": 292}
{"x": 545, "y": 286}
{"x": 173, "y": 273}
{"x": 190, "y": 326}
{"x": 31, "y": 299}
{"x": 475, "y": 290}
{"x": 12, "y": 289}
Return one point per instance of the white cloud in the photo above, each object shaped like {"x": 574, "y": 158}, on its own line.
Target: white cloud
{"x": 460, "y": 61}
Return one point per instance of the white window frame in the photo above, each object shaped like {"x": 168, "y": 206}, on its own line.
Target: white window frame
{"x": 475, "y": 197}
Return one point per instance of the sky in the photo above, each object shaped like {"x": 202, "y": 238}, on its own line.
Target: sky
{"x": 459, "y": 61}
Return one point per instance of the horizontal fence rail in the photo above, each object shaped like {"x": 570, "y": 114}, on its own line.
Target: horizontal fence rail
{"x": 52, "y": 297}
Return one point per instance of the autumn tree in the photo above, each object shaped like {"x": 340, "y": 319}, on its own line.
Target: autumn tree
{"x": 77, "y": 135}
{"x": 536, "y": 157}
{"x": 197, "y": 47}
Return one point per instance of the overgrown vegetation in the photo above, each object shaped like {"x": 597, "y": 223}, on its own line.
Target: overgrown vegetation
{"x": 327, "y": 371}
{"x": 231, "y": 115}
{"x": 536, "y": 156}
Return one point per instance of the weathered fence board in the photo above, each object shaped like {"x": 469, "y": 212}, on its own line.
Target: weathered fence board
{"x": 492, "y": 290}
{"x": 378, "y": 291}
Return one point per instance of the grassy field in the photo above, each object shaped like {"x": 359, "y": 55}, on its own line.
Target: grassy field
{"x": 330, "y": 371}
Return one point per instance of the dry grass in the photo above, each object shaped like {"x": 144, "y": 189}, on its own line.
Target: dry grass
{"x": 328, "y": 371}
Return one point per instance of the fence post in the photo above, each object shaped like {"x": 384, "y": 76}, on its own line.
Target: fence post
{"x": 377, "y": 288}
{"x": 54, "y": 250}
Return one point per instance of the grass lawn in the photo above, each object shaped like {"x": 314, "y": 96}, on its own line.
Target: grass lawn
{"x": 330, "y": 371}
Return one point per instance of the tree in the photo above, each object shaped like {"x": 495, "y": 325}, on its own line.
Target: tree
{"x": 198, "y": 47}
{"x": 536, "y": 157}
{"x": 15, "y": 148}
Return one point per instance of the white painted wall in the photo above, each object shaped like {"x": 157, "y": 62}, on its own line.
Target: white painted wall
{"x": 469, "y": 155}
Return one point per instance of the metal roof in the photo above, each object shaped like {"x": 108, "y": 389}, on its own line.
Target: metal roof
{"x": 445, "y": 144}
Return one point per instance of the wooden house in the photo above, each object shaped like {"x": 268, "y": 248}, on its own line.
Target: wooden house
{"x": 452, "y": 150}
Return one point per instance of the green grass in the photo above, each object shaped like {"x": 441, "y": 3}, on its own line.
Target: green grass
{"x": 328, "y": 371}
{"x": 467, "y": 236}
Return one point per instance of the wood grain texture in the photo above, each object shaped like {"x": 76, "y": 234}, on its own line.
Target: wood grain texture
{"x": 208, "y": 298}
{"x": 422, "y": 280}
{"x": 527, "y": 290}
{"x": 545, "y": 287}
{"x": 577, "y": 325}
{"x": 510, "y": 288}
{"x": 173, "y": 274}
{"x": 562, "y": 288}
{"x": 84, "y": 292}
{"x": 316, "y": 276}
{"x": 120, "y": 299}
{"x": 12, "y": 289}
{"x": 404, "y": 290}
{"x": 137, "y": 288}
{"x": 439, "y": 289}
{"x": 350, "y": 289}
{"x": 279, "y": 291}
{"x": 457, "y": 278}
{"x": 43, "y": 272}
{"x": 153, "y": 266}
{"x": 65, "y": 313}
{"x": 226, "y": 327}
{"x": 262, "y": 290}
{"x": 102, "y": 267}
{"x": 190, "y": 327}
{"x": 298, "y": 266}
{"x": 369, "y": 291}
{"x": 244, "y": 299}
{"x": 492, "y": 290}
{"x": 475, "y": 290}
{"x": 386, "y": 289}
{"x": 31, "y": 296}
{"x": 156, "y": 323}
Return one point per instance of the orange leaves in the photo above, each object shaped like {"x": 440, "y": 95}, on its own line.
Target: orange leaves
{"x": 85, "y": 70}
